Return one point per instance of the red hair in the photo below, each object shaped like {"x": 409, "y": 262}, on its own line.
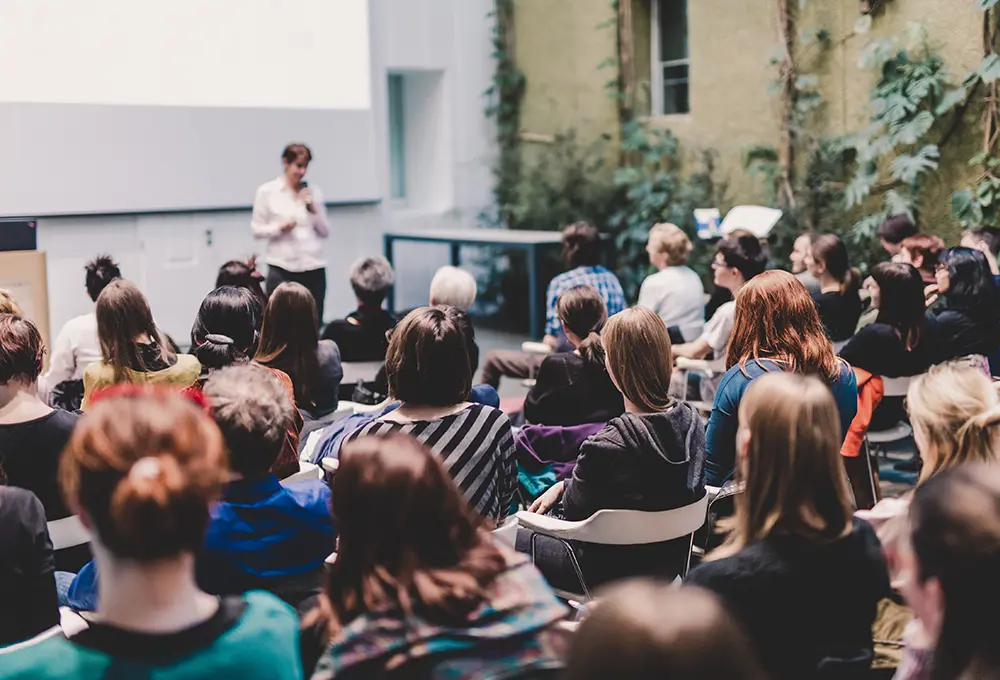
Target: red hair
{"x": 776, "y": 319}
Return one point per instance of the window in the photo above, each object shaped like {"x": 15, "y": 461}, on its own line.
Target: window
{"x": 397, "y": 137}
{"x": 670, "y": 57}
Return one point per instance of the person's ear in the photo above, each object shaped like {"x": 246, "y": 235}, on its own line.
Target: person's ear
{"x": 918, "y": 261}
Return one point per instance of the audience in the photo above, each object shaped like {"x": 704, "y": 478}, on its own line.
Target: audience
{"x": 77, "y": 345}
{"x": 428, "y": 371}
{"x": 243, "y": 274}
{"x": 800, "y": 575}
{"x": 646, "y": 631}
{"x": 142, "y": 471}
{"x": 987, "y": 241}
{"x": 572, "y": 388}
{"x": 892, "y": 232}
{"x": 419, "y": 587}
{"x": 776, "y": 328}
{"x": 798, "y": 256}
{"x": 651, "y": 458}
{"x": 581, "y": 251}
{"x": 361, "y": 335}
{"x": 132, "y": 348}
{"x": 970, "y": 321}
{"x": 453, "y": 287}
{"x": 675, "y": 292}
{"x": 837, "y": 301}
{"x": 289, "y": 342}
{"x": 922, "y": 251}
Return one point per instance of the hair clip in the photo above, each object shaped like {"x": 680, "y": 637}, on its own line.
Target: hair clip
{"x": 219, "y": 339}
{"x": 145, "y": 468}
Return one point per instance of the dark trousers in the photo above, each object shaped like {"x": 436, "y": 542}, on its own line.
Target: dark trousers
{"x": 314, "y": 280}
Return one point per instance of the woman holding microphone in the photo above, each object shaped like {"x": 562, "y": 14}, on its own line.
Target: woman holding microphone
{"x": 292, "y": 217}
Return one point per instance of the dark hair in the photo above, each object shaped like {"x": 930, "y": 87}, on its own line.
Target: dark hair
{"x": 830, "y": 249}
{"x": 407, "y": 538}
{"x": 289, "y": 337}
{"x": 101, "y": 271}
{"x": 464, "y": 323}
{"x": 955, "y": 534}
{"x": 581, "y": 245}
{"x": 225, "y": 330}
{"x": 582, "y": 310}
{"x": 895, "y": 229}
{"x": 295, "y": 151}
{"x": 743, "y": 251}
{"x": 123, "y": 315}
{"x": 925, "y": 246}
{"x": 427, "y": 361}
{"x": 145, "y": 468}
{"x": 988, "y": 235}
{"x": 901, "y": 300}
{"x": 21, "y": 350}
{"x": 243, "y": 275}
{"x": 972, "y": 288}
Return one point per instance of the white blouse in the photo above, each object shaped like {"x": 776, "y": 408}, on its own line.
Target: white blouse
{"x": 75, "y": 348}
{"x": 298, "y": 250}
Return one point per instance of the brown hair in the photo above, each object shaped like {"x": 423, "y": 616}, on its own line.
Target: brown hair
{"x": 671, "y": 239}
{"x": 21, "y": 350}
{"x": 582, "y": 310}
{"x": 639, "y": 358}
{"x": 8, "y": 305}
{"x": 643, "y": 630}
{"x": 895, "y": 229}
{"x": 289, "y": 336}
{"x": 428, "y": 360}
{"x": 831, "y": 251}
{"x": 795, "y": 483}
{"x": 776, "y": 319}
{"x": 926, "y": 246}
{"x": 295, "y": 151}
{"x": 144, "y": 469}
{"x": 122, "y": 316}
{"x": 407, "y": 538}
{"x": 581, "y": 245}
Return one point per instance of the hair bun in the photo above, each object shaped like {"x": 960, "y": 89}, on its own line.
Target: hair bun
{"x": 219, "y": 339}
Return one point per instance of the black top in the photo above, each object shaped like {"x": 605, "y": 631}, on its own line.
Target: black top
{"x": 29, "y": 455}
{"x": 326, "y": 385}
{"x": 879, "y": 349}
{"x": 954, "y": 333}
{"x": 569, "y": 392}
{"x": 807, "y": 607}
{"x": 361, "y": 336}
{"x": 839, "y": 313}
{"x": 28, "y": 601}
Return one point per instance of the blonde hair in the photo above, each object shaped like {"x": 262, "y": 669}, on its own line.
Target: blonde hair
{"x": 956, "y": 410}
{"x": 8, "y": 305}
{"x": 639, "y": 358}
{"x": 795, "y": 482}
{"x": 670, "y": 239}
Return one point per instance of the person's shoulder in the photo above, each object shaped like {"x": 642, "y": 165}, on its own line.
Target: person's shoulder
{"x": 15, "y": 501}
{"x": 100, "y": 372}
{"x": 263, "y": 607}
{"x": 267, "y": 636}
{"x": 48, "y": 656}
{"x": 271, "y": 185}
{"x": 186, "y": 370}
{"x": 64, "y": 420}
{"x": 309, "y": 493}
{"x": 328, "y": 350}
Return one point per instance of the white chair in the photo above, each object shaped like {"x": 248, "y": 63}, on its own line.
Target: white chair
{"x": 68, "y": 532}
{"x": 359, "y": 370}
{"x": 618, "y": 527}
{"x": 506, "y": 533}
{"x": 892, "y": 387}
{"x": 539, "y": 348}
{"x": 306, "y": 471}
{"x": 331, "y": 465}
{"x": 706, "y": 368}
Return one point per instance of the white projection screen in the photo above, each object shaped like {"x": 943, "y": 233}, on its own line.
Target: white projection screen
{"x": 142, "y": 106}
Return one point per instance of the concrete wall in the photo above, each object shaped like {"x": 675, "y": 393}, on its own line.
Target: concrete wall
{"x": 443, "y": 46}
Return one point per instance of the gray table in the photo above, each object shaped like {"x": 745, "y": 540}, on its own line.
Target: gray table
{"x": 528, "y": 241}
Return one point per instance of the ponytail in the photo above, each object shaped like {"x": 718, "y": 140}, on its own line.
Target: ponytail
{"x": 851, "y": 283}
{"x": 592, "y": 351}
{"x": 976, "y": 434}
{"x": 218, "y": 351}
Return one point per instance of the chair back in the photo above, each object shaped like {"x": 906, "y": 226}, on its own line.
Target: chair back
{"x": 359, "y": 370}
{"x": 68, "y": 532}
{"x": 895, "y": 387}
{"x": 306, "y": 471}
{"x": 506, "y": 533}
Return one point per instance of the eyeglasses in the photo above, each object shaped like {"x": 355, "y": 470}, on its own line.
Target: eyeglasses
{"x": 718, "y": 262}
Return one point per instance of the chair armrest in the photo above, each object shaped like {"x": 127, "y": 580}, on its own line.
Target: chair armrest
{"x": 536, "y": 348}
{"x": 545, "y": 524}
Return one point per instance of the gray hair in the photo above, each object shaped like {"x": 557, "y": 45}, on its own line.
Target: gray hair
{"x": 253, "y": 410}
{"x": 371, "y": 279}
{"x": 453, "y": 287}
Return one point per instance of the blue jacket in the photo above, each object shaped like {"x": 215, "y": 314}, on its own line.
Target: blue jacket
{"x": 720, "y": 440}
{"x": 260, "y": 535}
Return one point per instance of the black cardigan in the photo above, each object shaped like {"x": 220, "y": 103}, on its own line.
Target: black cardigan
{"x": 569, "y": 392}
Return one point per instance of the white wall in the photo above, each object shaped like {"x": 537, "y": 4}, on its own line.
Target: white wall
{"x": 443, "y": 46}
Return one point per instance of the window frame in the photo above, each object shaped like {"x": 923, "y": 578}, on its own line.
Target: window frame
{"x": 657, "y": 67}
{"x": 396, "y": 124}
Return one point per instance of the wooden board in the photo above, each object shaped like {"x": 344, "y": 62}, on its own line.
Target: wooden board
{"x": 23, "y": 273}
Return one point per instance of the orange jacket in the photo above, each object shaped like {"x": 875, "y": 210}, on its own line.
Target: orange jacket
{"x": 870, "y": 391}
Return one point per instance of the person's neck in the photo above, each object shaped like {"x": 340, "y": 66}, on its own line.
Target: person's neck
{"x": 828, "y": 284}
{"x": 637, "y": 410}
{"x": 292, "y": 184}
{"x": 156, "y": 597}
{"x": 20, "y": 403}
{"x": 737, "y": 288}
{"x": 411, "y": 411}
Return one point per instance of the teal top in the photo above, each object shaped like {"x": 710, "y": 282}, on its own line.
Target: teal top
{"x": 253, "y": 636}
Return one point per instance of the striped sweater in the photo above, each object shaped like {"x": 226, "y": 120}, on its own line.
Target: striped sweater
{"x": 477, "y": 448}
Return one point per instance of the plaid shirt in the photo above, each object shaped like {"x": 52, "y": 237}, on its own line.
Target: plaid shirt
{"x": 598, "y": 277}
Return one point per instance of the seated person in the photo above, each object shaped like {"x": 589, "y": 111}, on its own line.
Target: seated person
{"x": 892, "y": 232}
{"x": 573, "y": 388}
{"x": 420, "y": 589}
{"x": 581, "y": 250}
{"x": 838, "y": 301}
{"x": 801, "y": 575}
{"x": 77, "y": 346}
{"x": 453, "y": 287}
{"x": 133, "y": 348}
{"x": 428, "y": 371}
{"x": 800, "y": 251}
{"x": 289, "y": 342}
{"x": 776, "y": 328}
{"x": 142, "y": 472}
{"x": 969, "y": 323}
{"x": 922, "y": 251}
{"x": 675, "y": 292}
{"x": 987, "y": 241}
{"x": 651, "y": 458}
{"x": 243, "y": 275}
{"x": 261, "y": 534}
{"x": 361, "y": 335}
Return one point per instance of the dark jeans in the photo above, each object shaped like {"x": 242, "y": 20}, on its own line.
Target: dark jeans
{"x": 314, "y": 280}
